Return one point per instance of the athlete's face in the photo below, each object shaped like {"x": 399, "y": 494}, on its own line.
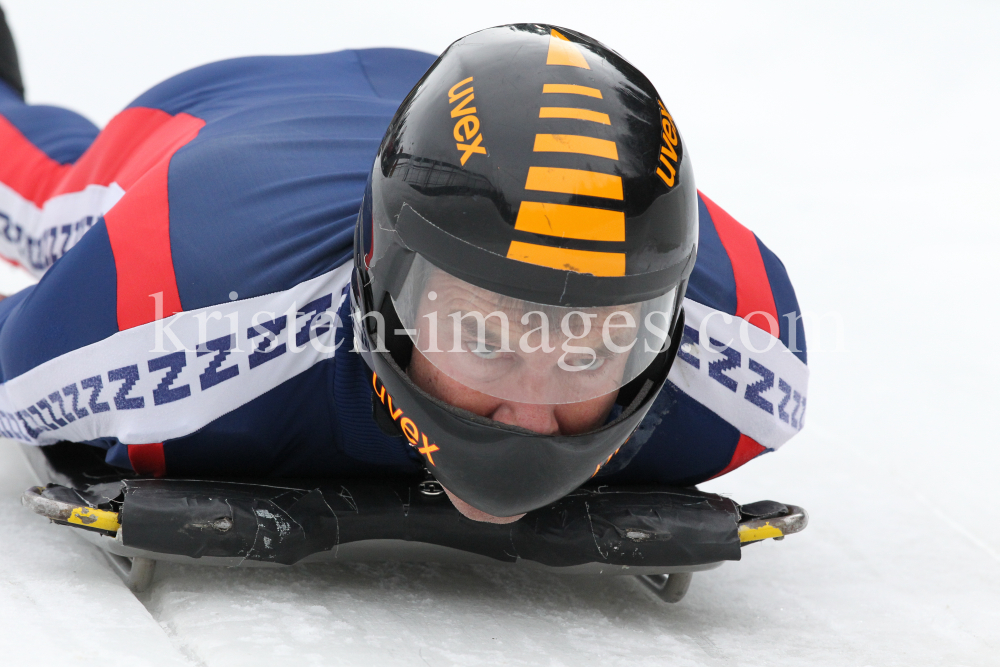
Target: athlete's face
{"x": 561, "y": 419}
{"x": 538, "y": 374}
{"x": 523, "y": 353}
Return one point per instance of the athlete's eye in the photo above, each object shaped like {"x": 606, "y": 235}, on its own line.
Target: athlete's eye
{"x": 585, "y": 363}
{"x": 483, "y": 351}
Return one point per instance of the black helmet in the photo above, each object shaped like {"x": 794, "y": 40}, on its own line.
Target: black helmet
{"x": 537, "y": 173}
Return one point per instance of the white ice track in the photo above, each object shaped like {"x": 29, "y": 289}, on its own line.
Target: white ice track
{"x": 859, "y": 141}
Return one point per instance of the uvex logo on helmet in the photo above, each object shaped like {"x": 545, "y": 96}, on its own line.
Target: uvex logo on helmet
{"x": 406, "y": 425}
{"x": 668, "y": 149}
{"x": 467, "y": 127}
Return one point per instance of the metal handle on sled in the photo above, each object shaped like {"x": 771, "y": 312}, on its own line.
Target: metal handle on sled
{"x": 776, "y": 527}
{"x": 137, "y": 573}
{"x": 792, "y": 519}
{"x": 80, "y": 516}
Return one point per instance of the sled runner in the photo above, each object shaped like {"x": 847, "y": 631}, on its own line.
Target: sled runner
{"x": 660, "y": 534}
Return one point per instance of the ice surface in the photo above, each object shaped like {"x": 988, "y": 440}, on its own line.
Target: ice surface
{"x": 860, "y": 142}
{"x": 60, "y": 603}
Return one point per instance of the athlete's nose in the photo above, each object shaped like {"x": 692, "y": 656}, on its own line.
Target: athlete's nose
{"x": 534, "y": 417}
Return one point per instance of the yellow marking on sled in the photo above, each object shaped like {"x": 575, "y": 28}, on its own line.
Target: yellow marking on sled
{"x": 92, "y": 518}
{"x": 748, "y": 534}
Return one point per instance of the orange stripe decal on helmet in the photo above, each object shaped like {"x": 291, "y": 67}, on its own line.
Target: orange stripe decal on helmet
{"x": 574, "y": 143}
{"x": 571, "y": 222}
{"x": 572, "y": 113}
{"x": 568, "y": 259}
{"x": 571, "y": 89}
{"x": 564, "y": 52}
{"x": 574, "y": 182}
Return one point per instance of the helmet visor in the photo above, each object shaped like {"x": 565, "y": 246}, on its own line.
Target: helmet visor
{"x": 528, "y": 352}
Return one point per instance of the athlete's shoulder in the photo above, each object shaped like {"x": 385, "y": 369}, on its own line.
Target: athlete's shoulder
{"x": 267, "y": 171}
{"x": 218, "y": 89}
{"x": 38, "y": 132}
{"x": 738, "y": 275}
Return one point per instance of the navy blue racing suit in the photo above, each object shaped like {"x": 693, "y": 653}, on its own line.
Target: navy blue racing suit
{"x": 194, "y": 256}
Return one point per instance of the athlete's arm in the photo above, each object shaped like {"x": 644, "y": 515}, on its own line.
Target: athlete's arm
{"x": 42, "y": 214}
{"x": 58, "y": 179}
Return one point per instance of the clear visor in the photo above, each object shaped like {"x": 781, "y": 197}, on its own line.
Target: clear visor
{"x": 528, "y": 352}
